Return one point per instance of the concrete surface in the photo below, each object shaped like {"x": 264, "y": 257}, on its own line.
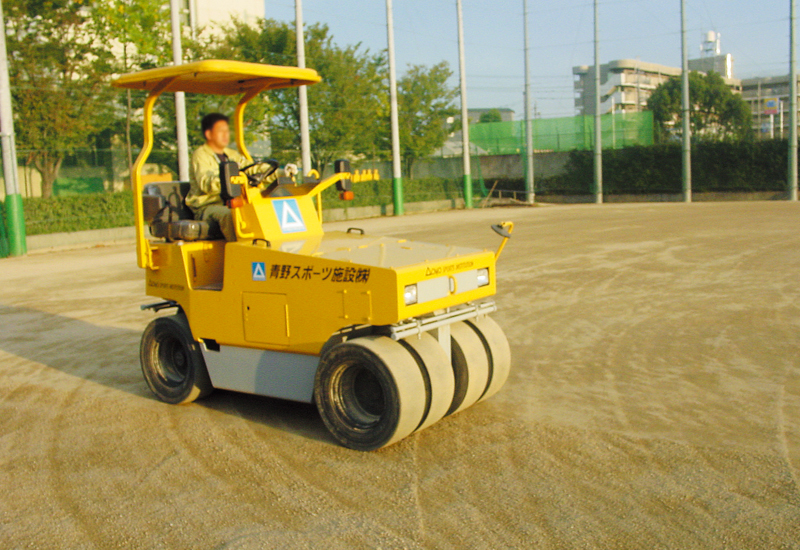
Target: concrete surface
{"x": 654, "y": 402}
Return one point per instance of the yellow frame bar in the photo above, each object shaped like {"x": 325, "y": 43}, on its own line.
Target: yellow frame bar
{"x": 144, "y": 254}
{"x": 238, "y": 118}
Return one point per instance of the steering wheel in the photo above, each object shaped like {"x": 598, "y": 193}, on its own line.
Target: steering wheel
{"x": 254, "y": 180}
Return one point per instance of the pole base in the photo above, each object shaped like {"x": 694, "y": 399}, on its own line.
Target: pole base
{"x": 15, "y": 221}
{"x": 467, "y": 191}
{"x": 397, "y": 196}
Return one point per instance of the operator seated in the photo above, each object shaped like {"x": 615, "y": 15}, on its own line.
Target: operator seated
{"x": 204, "y": 196}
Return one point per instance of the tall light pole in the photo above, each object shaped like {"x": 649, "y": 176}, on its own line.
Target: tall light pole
{"x": 792, "y": 179}
{"x": 302, "y": 91}
{"x": 598, "y": 130}
{"x": 15, "y": 216}
{"x": 530, "y": 195}
{"x": 465, "y": 148}
{"x": 180, "y": 99}
{"x": 685, "y": 116}
{"x": 397, "y": 176}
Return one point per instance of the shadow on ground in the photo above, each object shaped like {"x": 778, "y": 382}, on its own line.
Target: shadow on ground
{"x": 64, "y": 344}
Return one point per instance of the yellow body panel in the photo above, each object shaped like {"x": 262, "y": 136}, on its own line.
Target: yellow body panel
{"x": 296, "y": 300}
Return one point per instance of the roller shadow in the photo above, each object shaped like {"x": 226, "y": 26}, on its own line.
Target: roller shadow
{"x": 109, "y": 356}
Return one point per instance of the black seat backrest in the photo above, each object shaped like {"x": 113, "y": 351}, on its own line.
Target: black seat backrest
{"x": 165, "y": 201}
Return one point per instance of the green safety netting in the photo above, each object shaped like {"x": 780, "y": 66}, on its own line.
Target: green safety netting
{"x": 563, "y": 134}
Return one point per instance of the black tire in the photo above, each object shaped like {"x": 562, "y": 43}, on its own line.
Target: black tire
{"x": 172, "y": 362}
{"x": 370, "y": 392}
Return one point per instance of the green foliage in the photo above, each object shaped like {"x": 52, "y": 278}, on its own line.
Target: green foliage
{"x": 424, "y": 102}
{"x": 343, "y": 108}
{"x": 105, "y": 210}
{"x": 379, "y": 193}
{"x": 492, "y": 115}
{"x": 78, "y": 212}
{"x": 716, "y": 166}
{"x": 58, "y": 70}
{"x": 716, "y": 113}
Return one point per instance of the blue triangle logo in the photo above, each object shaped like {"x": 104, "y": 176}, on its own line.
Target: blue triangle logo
{"x": 289, "y": 217}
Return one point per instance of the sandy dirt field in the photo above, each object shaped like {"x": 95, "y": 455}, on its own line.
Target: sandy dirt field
{"x": 654, "y": 402}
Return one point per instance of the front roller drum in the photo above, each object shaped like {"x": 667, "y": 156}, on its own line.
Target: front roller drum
{"x": 470, "y": 367}
{"x": 172, "y": 362}
{"x": 497, "y": 350}
{"x": 370, "y": 392}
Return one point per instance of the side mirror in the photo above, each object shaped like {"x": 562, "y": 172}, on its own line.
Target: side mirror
{"x": 229, "y": 190}
{"x": 344, "y": 185}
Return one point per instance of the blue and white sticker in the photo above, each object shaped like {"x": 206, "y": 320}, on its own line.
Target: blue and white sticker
{"x": 259, "y": 271}
{"x": 289, "y": 217}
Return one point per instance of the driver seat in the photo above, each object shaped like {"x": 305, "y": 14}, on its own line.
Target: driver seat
{"x": 165, "y": 210}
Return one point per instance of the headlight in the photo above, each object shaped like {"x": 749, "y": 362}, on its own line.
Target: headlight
{"x": 410, "y": 294}
{"x": 483, "y": 276}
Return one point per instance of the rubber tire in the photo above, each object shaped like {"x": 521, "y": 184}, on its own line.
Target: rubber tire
{"x": 497, "y": 349}
{"x": 440, "y": 381}
{"x": 165, "y": 342}
{"x": 470, "y": 366}
{"x": 346, "y": 387}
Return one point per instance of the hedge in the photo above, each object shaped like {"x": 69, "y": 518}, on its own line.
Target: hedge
{"x": 716, "y": 166}
{"x": 104, "y": 210}
{"x": 78, "y": 212}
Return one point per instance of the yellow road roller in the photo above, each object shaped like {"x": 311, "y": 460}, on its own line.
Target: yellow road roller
{"x": 386, "y": 336}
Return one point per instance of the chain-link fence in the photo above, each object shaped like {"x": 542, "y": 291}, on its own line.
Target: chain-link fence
{"x": 563, "y": 134}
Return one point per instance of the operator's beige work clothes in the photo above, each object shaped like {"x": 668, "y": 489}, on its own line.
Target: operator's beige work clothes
{"x": 203, "y": 197}
{"x": 204, "y": 176}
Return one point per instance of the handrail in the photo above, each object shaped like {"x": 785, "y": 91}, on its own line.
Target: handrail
{"x": 238, "y": 118}
{"x": 143, "y": 251}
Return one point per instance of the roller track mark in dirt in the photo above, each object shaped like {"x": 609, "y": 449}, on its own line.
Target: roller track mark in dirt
{"x": 90, "y": 525}
{"x": 782, "y": 439}
{"x": 322, "y": 493}
{"x": 416, "y": 488}
{"x": 282, "y": 466}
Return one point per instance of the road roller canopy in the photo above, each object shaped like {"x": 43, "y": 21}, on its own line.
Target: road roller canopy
{"x": 219, "y": 77}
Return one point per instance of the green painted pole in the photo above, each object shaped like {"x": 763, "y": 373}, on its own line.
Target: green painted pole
{"x": 15, "y": 221}
{"x": 397, "y": 196}
{"x": 15, "y": 217}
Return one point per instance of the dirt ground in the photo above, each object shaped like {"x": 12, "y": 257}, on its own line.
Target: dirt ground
{"x": 654, "y": 402}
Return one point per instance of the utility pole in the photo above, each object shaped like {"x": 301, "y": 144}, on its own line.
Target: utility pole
{"x": 397, "y": 175}
{"x": 687, "y": 129}
{"x": 792, "y": 179}
{"x": 465, "y": 148}
{"x": 598, "y": 131}
{"x": 302, "y": 91}
{"x": 180, "y": 99}
{"x": 15, "y": 216}
{"x": 530, "y": 195}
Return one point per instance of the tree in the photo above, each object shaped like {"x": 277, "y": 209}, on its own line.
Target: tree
{"x": 141, "y": 30}
{"x": 343, "y": 107}
{"x": 424, "y": 102}
{"x": 492, "y": 115}
{"x": 716, "y": 112}
{"x": 58, "y": 72}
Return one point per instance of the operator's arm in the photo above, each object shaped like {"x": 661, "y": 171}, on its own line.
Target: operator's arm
{"x": 242, "y": 161}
